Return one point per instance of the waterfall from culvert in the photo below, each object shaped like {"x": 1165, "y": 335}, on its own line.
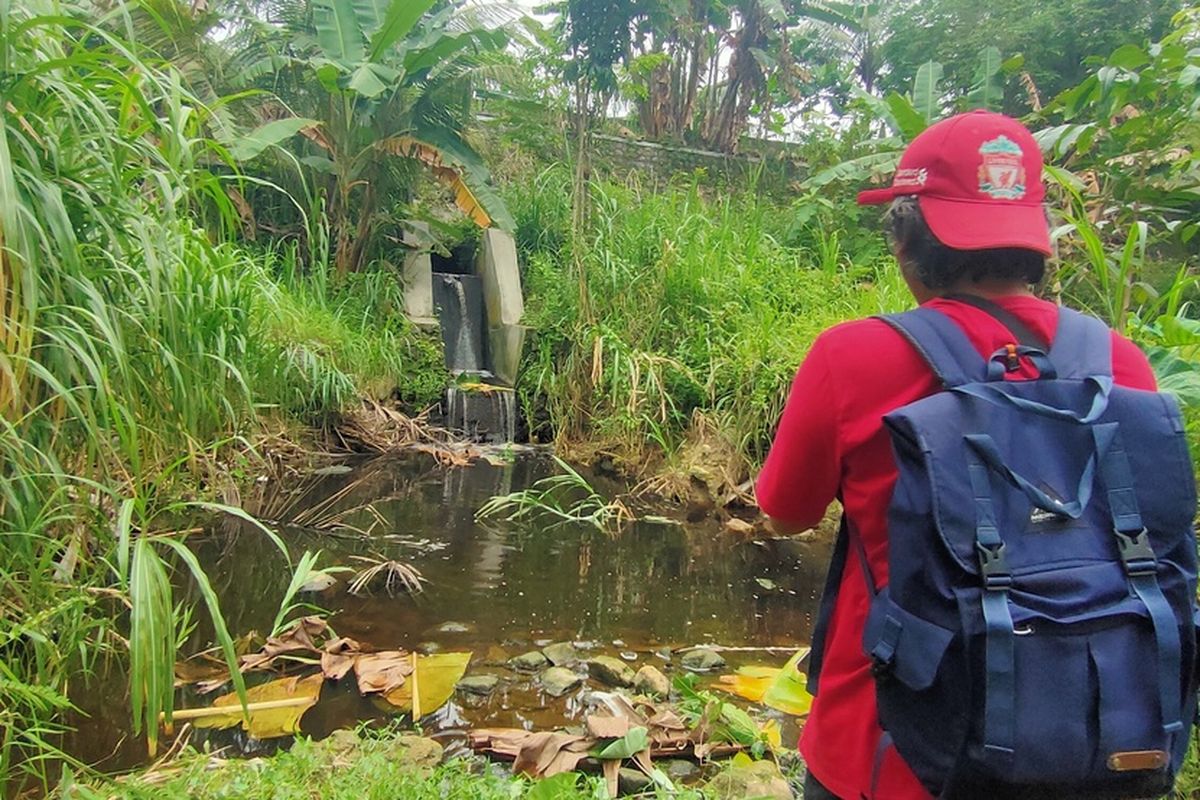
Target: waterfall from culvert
{"x": 459, "y": 300}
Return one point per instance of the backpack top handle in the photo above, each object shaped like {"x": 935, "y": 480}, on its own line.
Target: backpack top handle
{"x": 1082, "y": 346}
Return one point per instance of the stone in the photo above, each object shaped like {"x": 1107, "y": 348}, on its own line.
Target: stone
{"x": 453, "y": 627}
{"x": 340, "y": 741}
{"x": 557, "y": 681}
{"x": 318, "y": 583}
{"x": 560, "y": 654}
{"x": 632, "y": 781}
{"x": 628, "y": 655}
{"x": 611, "y": 671}
{"x": 702, "y": 660}
{"x": 680, "y": 769}
{"x": 528, "y": 662}
{"x": 479, "y": 684}
{"x": 415, "y": 751}
{"x": 497, "y": 266}
{"x": 738, "y": 527}
{"x": 495, "y": 655}
{"x": 428, "y": 647}
{"x": 761, "y": 780}
{"x": 650, "y": 680}
{"x": 418, "y": 277}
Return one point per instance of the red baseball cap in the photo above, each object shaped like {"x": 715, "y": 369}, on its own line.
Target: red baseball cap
{"x": 978, "y": 179}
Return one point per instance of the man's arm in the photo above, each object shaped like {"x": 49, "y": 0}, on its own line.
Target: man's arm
{"x": 803, "y": 469}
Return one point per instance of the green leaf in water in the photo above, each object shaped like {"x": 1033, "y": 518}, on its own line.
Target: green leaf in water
{"x": 637, "y": 740}
{"x": 767, "y": 584}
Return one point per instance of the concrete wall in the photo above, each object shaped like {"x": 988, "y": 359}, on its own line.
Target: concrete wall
{"x": 619, "y": 155}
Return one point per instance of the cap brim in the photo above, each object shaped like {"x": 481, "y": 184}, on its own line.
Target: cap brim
{"x": 966, "y": 225}
{"x": 874, "y": 197}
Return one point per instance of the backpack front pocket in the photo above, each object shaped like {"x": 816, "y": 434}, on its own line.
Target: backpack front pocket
{"x": 1080, "y": 708}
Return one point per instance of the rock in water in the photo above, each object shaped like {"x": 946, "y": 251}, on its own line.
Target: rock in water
{"x": 611, "y": 671}
{"x": 560, "y": 654}
{"x": 632, "y": 781}
{"x": 479, "y": 684}
{"x": 702, "y": 660}
{"x": 738, "y": 527}
{"x": 762, "y": 779}
{"x": 416, "y": 751}
{"x": 529, "y": 662}
{"x": 557, "y": 681}
{"x": 650, "y": 680}
{"x": 453, "y": 627}
{"x": 318, "y": 582}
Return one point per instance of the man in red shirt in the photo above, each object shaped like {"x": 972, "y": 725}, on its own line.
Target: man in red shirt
{"x": 969, "y": 231}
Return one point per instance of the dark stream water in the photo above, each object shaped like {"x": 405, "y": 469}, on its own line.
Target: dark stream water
{"x": 496, "y": 589}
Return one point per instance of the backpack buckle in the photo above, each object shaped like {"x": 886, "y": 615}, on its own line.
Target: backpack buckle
{"x": 1011, "y": 357}
{"x": 1136, "y": 553}
{"x": 994, "y": 567}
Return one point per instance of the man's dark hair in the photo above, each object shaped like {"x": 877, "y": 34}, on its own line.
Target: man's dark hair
{"x": 940, "y": 267}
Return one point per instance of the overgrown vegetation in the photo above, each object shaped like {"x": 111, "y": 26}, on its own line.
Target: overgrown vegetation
{"x": 697, "y": 310}
{"x": 141, "y": 350}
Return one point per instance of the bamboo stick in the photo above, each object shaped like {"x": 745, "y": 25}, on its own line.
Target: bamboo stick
{"x": 216, "y": 711}
{"x": 416, "y": 694}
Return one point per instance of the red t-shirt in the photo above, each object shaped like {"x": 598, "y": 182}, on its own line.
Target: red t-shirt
{"x": 831, "y": 443}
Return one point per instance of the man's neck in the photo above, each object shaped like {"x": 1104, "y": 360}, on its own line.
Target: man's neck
{"x": 989, "y": 288}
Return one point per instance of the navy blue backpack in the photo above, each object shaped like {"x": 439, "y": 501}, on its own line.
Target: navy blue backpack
{"x": 1037, "y": 636}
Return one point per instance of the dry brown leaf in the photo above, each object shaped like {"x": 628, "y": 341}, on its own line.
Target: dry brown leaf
{"x": 382, "y": 672}
{"x": 543, "y": 755}
{"x": 612, "y": 774}
{"x": 300, "y": 637}
{"x": 667, "y": 720}
{"x": 603, "y": 726}
{"x": 200, "y": 670}
{"x": 501, "y": 741}
{"x": 338, "y": 657}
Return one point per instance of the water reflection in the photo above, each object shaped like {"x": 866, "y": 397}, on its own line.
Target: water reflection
{"x": 497, "y": 590}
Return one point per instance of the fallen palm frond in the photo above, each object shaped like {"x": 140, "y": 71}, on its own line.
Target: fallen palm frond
{"x": 566, "y": 498}
{"x": 378, "y": 428}
{"x": 395, "y": 575}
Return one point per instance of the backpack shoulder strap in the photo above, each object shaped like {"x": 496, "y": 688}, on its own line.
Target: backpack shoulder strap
{"x": 942, "y": 344}
{"x": 1022, "y": 332}
{"x": 1082, "y": 346}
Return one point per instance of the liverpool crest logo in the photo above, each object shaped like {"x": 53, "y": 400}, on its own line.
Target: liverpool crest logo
{"x": 1001, "y": 172}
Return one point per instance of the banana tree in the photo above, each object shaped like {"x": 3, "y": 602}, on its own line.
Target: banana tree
{"x": 380, "y": 90}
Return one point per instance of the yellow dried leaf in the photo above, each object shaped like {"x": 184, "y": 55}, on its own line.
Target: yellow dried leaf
{"x": 782, "y": 689}
{"x": 435, "y": 677}
{"x": 275, "y": 707}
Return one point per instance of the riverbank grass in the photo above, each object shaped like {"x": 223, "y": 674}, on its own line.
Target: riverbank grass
{"x": 389, "y": 766}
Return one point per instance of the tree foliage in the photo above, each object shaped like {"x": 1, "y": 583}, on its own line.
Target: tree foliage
{"x": 387, "y": 89}
{"x": 1056, "y": 37}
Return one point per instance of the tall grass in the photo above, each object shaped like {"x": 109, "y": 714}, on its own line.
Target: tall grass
{"x": 138, "y": 349}
{"x": 702, "y": 303}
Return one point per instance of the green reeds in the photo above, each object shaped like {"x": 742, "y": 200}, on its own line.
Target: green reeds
{"x": 138, "y": 348}
{"x": 698, "y": 305}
